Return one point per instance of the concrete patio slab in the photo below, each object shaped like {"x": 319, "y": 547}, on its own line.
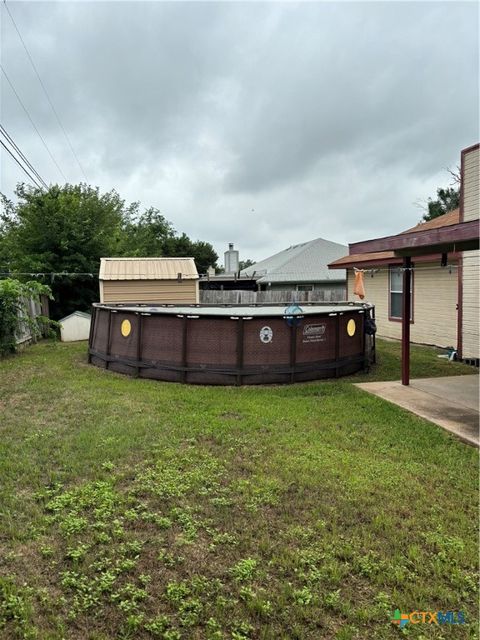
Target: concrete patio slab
{"x": 451, "y": 402}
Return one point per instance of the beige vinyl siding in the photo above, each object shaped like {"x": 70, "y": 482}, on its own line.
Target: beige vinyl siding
{"x": 471, "y": 185}
{"x": 435, "y": 304}
{"x": 155, "y": 291}
{"x": 471, "y": 259}
{"x": 471, "y": 307}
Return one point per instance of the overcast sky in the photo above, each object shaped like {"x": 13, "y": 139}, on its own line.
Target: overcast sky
{"x": 263, "y": 124}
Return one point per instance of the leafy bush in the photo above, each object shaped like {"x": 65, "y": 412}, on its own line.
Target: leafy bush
{"x": 14, "y": 300}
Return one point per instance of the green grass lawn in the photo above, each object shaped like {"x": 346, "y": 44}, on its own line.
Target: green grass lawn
{"x": 138, "y": 509}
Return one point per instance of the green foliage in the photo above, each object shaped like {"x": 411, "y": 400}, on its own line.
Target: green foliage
{"x": 14, "y": 312}
{"x": 15, "y": 609}
{"x": 151, "y": 234}
{"x": 146, "y": 234}
{"x": 244, "y": 570}
{"x": 303, "y": 596}
{"x": 447, "y": 200}
{"x": 68, "y": 229}
{"x": 244, "y": 264}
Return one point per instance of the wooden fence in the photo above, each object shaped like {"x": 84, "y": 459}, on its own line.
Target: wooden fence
{"x": 23, "y": 333}
{"x": 269, "y": 297}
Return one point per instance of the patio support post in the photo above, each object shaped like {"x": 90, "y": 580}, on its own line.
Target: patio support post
{"x": 406, "y": 313}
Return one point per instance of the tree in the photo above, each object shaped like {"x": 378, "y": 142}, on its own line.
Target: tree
{"x": 203, "y": 252}
{"x": 66, "y": 230}
{"x": 150, "y": 234}
{"x": 244, "y": 264}
{"x": 147, "y": 234}
{"x": 63, "y": 230}
{"x": 447, "y": 200}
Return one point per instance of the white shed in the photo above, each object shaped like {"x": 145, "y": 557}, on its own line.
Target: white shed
{"x": 75, "y": 327}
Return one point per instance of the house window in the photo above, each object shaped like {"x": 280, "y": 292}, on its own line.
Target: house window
{"x": 396, "y": 294}
{"x": 304, "y": 287}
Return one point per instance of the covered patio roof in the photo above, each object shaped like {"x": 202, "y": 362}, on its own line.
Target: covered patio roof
{"x": 365, "y": 252}
{"x": 463, "y": 236}
{"x": 445, "y": 235}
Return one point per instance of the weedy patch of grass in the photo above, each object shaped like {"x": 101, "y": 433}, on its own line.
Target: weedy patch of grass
{"x": 136, "y": 509}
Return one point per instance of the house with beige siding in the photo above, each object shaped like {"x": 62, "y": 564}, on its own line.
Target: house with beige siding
{"x": 470, "y": 261}
{"x": 444, "y": 286}
{"x": 148, "y": 281}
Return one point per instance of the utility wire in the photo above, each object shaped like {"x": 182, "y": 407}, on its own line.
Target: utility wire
{"x": 45, "y": 91}
{"x": 20, "y": 164}
{"x": 96, "y": 273}
{"x": 32, "y": 122}
{"x": 12, "y": 142}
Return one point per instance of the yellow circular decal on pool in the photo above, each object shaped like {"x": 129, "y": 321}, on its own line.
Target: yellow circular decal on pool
{"x": 351, "y": 327}
{"x": 126, "y": 328}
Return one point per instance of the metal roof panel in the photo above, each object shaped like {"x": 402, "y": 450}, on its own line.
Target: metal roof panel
{"x": 147, "y": 269}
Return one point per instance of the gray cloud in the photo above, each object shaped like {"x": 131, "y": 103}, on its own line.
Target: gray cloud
{"x": 326, "y": 119}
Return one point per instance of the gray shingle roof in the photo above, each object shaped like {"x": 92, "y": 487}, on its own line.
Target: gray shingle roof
{"x": 305, "y": 262}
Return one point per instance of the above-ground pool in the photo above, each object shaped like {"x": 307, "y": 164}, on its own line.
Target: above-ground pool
{"x": 204, "y": 344}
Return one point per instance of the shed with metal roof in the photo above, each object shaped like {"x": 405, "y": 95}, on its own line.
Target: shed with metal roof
{"x": 148, "y": 280}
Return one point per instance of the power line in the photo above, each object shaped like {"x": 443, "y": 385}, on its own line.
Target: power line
{"x": 46, "y": 273}
{"x": 45, "y": 91}
{"x": 32, "y": 122}
{"x": 20, "y": 164}
{"x": 12, "y": 142}
{"x": 96, "y": 273}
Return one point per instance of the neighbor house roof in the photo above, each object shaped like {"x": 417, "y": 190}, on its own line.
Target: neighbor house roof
{"x": 383, "y": 257}
{"x": 452, "y": 217}
{"x": 147, "y": 269}
{"x": 305, "y": 262}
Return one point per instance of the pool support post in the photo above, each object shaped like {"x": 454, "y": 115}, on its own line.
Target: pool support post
{"x": 184, "y": 348}
{"x": 109, "y": 337}
{"x": 90, "y": 334}
{"x": 337, "y": 342}
{"x": 240, "y": 333}
{"x": 139, "y": 345}
{"x": 293, "y": 350}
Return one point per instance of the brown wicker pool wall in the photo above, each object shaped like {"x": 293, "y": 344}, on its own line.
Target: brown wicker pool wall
{"x": 226, "y": 350}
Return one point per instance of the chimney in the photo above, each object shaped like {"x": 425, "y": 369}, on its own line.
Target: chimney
{"x": 231, "y": 260}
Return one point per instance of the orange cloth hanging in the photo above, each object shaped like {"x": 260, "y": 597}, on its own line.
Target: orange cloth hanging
{"x": 359, "y": 287}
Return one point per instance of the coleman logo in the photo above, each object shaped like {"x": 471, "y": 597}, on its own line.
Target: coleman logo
{"x": 314, "y": 332}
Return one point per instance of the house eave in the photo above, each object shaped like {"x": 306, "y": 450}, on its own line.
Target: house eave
{"x": 463, "y": 236}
